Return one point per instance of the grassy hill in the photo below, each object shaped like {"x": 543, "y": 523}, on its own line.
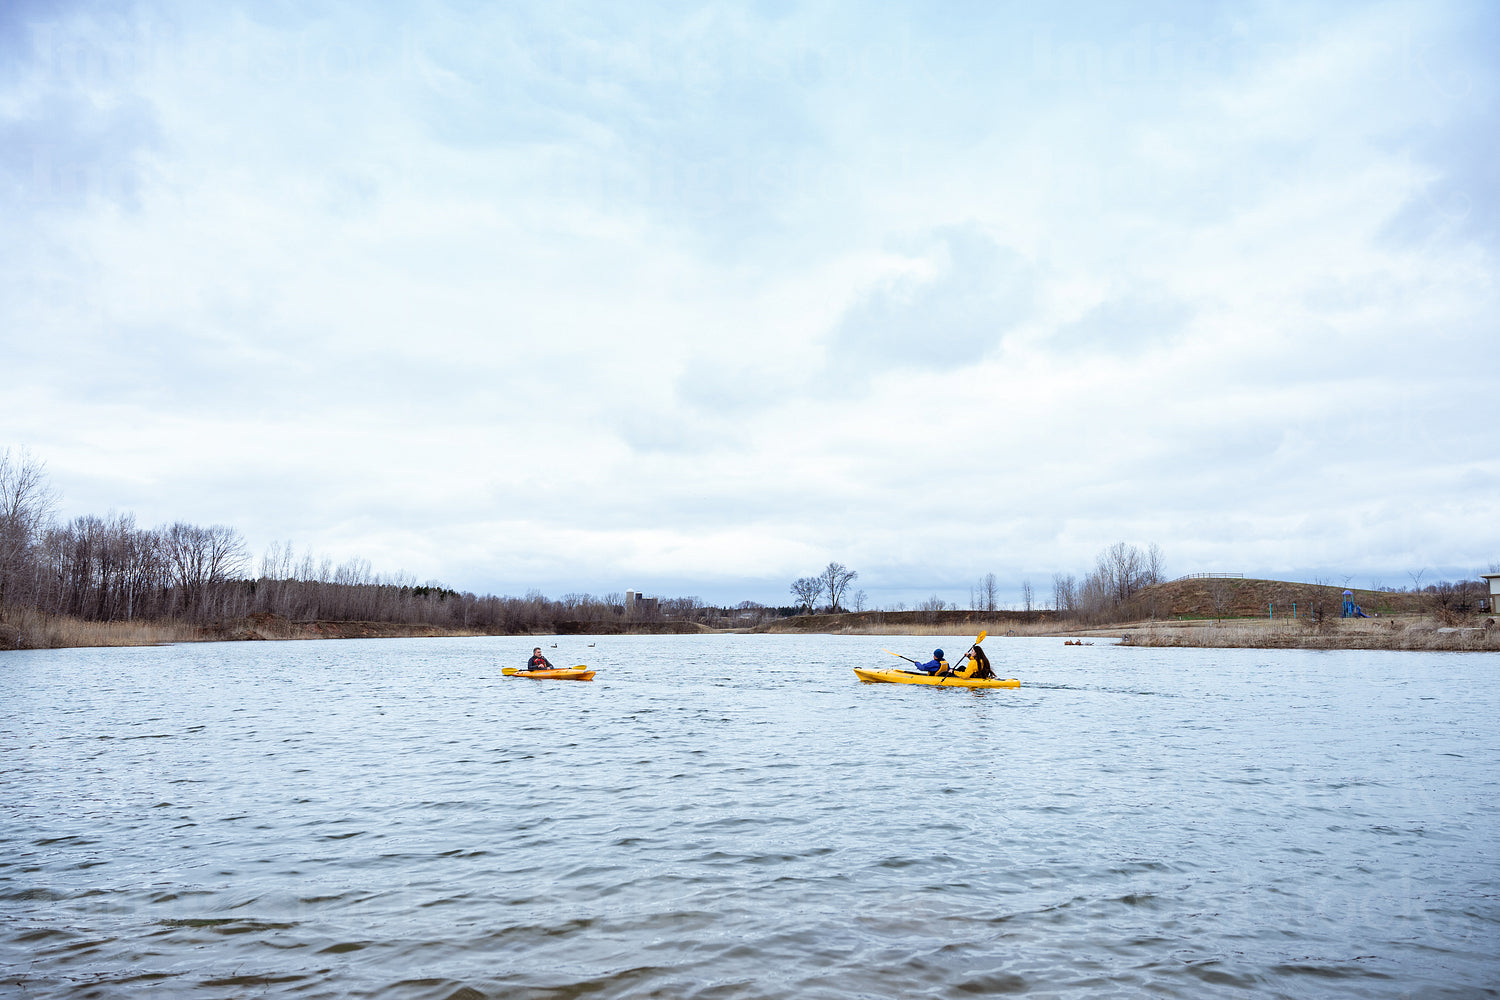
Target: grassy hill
{"x": 1219, "y": 597}
{"x": 1213, "y": 598}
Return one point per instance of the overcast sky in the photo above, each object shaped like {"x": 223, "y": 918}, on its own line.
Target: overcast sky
{"x": 695, "y": 298}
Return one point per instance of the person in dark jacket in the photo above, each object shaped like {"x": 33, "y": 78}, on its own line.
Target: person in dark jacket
{"x": 937, "y": 666}
{"x": 538, "y": 661}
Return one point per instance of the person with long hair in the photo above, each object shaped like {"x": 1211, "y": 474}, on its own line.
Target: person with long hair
{"x": 975, "y": 664}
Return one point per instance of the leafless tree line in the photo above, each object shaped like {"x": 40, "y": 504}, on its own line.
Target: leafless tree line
{"x": 107, "y": 568}
{"x": 110, "y": 569}
{"x": 1120, "y": 573}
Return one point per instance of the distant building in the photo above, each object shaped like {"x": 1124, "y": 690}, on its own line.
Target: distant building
{"x": 637, "y": 606}
{"x": 1493, "y": 579}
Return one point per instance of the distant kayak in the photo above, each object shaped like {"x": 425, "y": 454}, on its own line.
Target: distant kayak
{"x": 913, "y": 677}
{"x": 579, "y": 673}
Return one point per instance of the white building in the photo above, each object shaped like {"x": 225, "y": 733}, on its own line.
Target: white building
{"x": 1493, "y": 579}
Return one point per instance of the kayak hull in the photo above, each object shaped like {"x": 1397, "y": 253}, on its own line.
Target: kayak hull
{"x": 560, "y": 674}
{"x": 912, "y": 677}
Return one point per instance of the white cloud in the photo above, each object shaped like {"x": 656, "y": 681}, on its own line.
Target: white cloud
{"x": 703, "y": 298}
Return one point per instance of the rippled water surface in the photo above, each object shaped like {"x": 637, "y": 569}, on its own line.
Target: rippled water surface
{"x": 738, "y": 816}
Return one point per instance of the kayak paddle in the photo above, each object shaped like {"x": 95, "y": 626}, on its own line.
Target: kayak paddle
{"x": 908, "y": 659}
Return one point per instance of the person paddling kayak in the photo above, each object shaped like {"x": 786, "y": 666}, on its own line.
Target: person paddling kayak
{"x": 975, "y": 664}
{"x": 538, "y": 661}
{"x": 937, "y": 666}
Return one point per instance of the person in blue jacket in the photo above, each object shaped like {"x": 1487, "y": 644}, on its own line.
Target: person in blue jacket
{"x": 937, "y": 666}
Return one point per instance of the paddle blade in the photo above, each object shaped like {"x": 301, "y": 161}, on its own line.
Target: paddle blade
{"x": 981, "y": 637}
{"x": 508, "y": 671}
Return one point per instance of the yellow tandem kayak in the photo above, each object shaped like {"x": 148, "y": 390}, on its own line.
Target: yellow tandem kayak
{"x": 913, "y": 677}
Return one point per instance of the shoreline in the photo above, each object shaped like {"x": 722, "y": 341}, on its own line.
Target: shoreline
{"x": 58, "y": 632}
{"x": 1403, "y": 632}
{"x": 1396, "y": 632}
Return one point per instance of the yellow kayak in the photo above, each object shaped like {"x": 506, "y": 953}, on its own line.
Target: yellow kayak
{"x": 578, "y": 673}
{"x": 913, "y": 677}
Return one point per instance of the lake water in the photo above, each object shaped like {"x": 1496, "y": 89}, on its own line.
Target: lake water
{"x": 738, "y": 816}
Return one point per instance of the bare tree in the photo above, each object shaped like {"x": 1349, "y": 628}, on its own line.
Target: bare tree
{"x": 1155, "y": 565}
{"x": 276, "y": 563}
{"x": 1121, "y": 571}
{"x": 27, "y": 504}
{"x": 860, "y": 600}
{"x": 987, "y": 594}
{"x": 807, "y": 590}
{"x": 1027, "y": 599}
{"x": 931, "y": 607}
{"x": 201, "y": 559}
{"x": 1450, "y": 602}
{"x": 1124, "y": 567}
{"x": 1220, "y": 594}
{"x": 836, "y": 578}
{"x": 1064, "y": 594}
{"x": 685, "y": 608}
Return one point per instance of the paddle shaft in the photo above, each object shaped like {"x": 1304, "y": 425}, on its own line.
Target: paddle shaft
{"x": 977, "y": 641}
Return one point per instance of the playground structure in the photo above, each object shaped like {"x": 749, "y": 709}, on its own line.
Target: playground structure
{"x": 1352, "y": 610}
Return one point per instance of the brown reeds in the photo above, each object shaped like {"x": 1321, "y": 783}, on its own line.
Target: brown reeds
{"x": 29, "y": 629}
{"x": 1416, "y": 635}
{"x": 911, "y": 623}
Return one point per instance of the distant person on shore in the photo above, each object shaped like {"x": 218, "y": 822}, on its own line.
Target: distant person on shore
{"x": 937, "y": 666}
{"x": 538, "y": 661}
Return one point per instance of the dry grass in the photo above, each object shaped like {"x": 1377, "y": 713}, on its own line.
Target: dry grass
{"x": 1406, "y": 634}
{"x": 27, "y": 629}
{"x": 918, "y": 628}
{"x": 31, "y": 630}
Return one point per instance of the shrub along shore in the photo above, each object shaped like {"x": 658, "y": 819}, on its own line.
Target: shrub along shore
{"x": 104, "y": 581}
{"x": 1407, "y": 631}
{"x": 32, "y": 630}
{"x": 1401, "y": 632}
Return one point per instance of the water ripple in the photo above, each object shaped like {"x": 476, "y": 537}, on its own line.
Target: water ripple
{"x": 736, "y": 816}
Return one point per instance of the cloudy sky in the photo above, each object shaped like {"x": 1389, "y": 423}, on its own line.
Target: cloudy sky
{"x": 695, "y": 298}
